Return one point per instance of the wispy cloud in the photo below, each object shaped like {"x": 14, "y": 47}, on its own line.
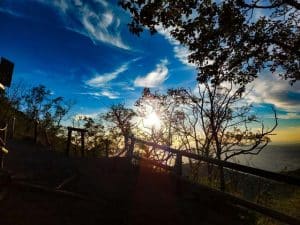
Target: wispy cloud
{"x": 11, "y": 12}
{"x": 110, "y": 94}
{"x": 289, "y": 116}
{"x": 269, "y": 88}
{"x": 104, "y": 93}
{"x": 181, "y": 52}
{"x": 154, "y": 78}
{"x": 100, "y": 80}
{"x": 96, "y": 21}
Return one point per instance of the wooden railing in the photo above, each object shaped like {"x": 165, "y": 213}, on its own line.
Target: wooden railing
{"x": 3, "y": 150}
{"x": 177, "y": 169}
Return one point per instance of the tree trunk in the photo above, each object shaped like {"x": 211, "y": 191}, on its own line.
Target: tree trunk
{"x": 47, "y": 138}
{"x": 106, "y": 148}
{"x": 221, "y": 173}
{"x": 125, "y": 143}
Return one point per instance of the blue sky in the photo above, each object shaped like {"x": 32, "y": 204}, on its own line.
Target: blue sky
{"x": 82, "y": 50}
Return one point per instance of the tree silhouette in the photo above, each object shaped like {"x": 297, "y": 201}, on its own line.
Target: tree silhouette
{"x": 120, "y": 118}
{"x": 216, "y": 123}
{"x": 230, "y": 40}
{"x": 45, "y": 111}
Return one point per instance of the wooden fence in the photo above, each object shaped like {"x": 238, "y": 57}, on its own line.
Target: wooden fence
{"x": 177, "y": 169}
{"x": 3, "y": 150}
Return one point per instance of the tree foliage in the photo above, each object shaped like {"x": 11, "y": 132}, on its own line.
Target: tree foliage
{"x": 229, "y": 40}
{"x": 120, "y": 119}
{"x": 43, "y": 110}
{"x": 211, "y": 121}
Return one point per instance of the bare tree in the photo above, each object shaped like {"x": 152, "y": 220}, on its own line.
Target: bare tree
{"x": 218, "y": 122}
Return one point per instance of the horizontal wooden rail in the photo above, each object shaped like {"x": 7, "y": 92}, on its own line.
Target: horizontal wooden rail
{"x": 246, "y": 169}
{"x": 229, "y": 197}
{"x": 250, "y": 205}
{"x": 77, "y": 129}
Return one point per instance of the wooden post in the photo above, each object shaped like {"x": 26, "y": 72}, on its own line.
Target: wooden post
{"x": 2, "y": 144}
{"x": 106, "y": 148}
{"x": 82, "y": 143}
{"x": 126, "y": 142}
{"x": 130, "y": 149}
{"x": 68, "y": 141}
{"x": 178, "y": 164}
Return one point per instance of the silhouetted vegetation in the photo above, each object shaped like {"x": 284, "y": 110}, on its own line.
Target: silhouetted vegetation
{"x": 34, "y": 111}
{"x": 231, "y": 40}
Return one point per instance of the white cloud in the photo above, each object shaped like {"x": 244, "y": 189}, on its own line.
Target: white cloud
{"x": 96, "y": 21}
{"x": 128, "y": 88}
{"x": 289, "y": 116}
{"x": 154, "y": 78}
{"x": 102, "y": 2}
{"x": 78, "y": 2}
{"x": 11, "y": 12}
{"x": 104, "y": 93}
{"x": 102, "y": 79}
{"x": 110, "y": 94}
{"x": 181, "y": 52}
{"x": 61, "y": 4}
{"x": 270, "y": 88}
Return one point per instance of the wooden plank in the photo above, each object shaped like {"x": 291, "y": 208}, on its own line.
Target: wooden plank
{"x": 77, "y": 129}
{"x": 82, "y": 144}
{"x": 68, "y": 142}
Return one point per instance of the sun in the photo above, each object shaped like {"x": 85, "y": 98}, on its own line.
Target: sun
{"x": 152, "y": 121}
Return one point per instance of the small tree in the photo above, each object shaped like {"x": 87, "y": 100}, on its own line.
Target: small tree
{"x": 165, "y": 112}
{"x": 10, "y": 101}
{"x": 96, "y": 140}
{"x": 45, "y": 111}
{"x": 120, "y": 119}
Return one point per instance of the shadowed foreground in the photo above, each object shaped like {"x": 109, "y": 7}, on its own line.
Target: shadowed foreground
{"x": 114, "y": 192}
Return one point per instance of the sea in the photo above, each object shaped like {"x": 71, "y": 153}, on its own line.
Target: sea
{"x": 275, "y": 158}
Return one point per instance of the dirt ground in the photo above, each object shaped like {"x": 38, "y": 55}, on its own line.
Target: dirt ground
{"x": 106, "y": 191}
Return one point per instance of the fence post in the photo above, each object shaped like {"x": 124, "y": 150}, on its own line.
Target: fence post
{"x": 68, "y": 141}
{"x": 3, "y": 133}
{"x": 130, "y": 150}
{"x": 107, "y": 142}
{"x": 178, "y": 164}
{"x": 82, "y": 144}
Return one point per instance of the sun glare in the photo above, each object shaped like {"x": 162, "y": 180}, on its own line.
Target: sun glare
{"x": 152, "y": 121}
